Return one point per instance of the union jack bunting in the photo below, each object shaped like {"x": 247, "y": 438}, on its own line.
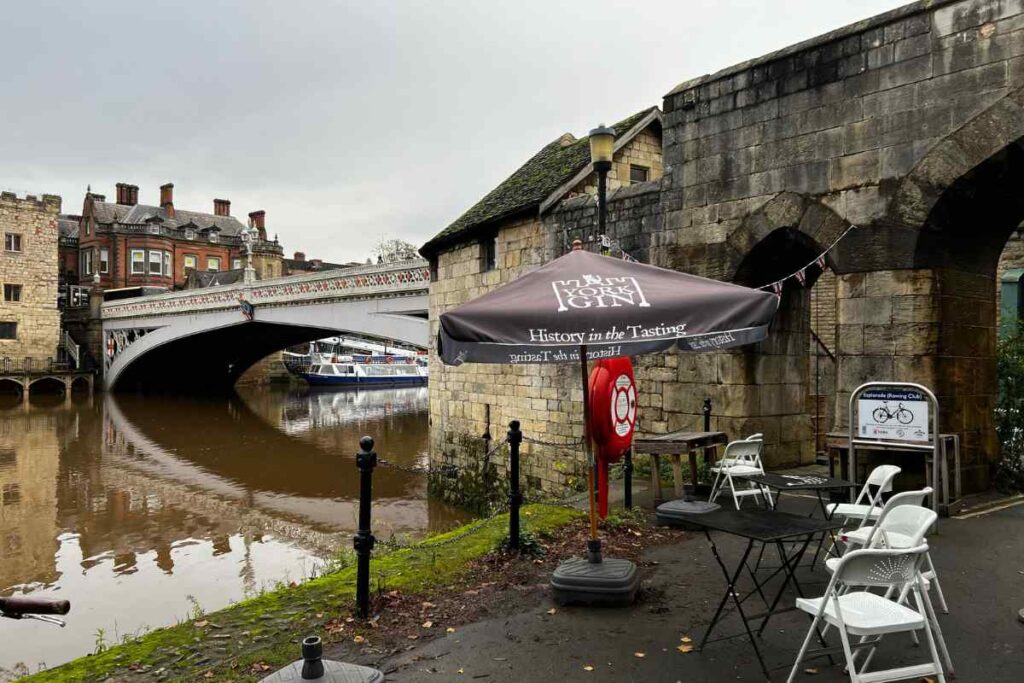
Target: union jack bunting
{"x": 777, "y": 288}
{"x": 820, "y": 262}
{"x": 801, "y": 276}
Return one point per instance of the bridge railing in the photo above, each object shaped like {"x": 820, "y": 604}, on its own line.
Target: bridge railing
{"x": 388, "y": 279}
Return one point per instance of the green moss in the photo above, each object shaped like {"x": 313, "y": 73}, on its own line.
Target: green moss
{"x": 266, "y": 628}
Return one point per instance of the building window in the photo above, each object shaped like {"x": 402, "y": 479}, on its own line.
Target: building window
{"x": 638, "y": 174}
{"x": 85, "y": 261}
{"x": 138, "y": 262}
{"x": 167, "y": 264}
{"x": 155, "y": 262}
{"x": 236, "y": 264}
{"x": 190, "y": 234}
{"x": 213, "y": 264}
{"x": 489, "y": 253}
{"x": 12, "y": 241}
{"x": 433, "y": 269}
{"x": 104, "y": 260}
{"x": 154, "y": 228}
{"x": 214, "y": 236}
{"x": 191, "y": 261}
{"x": 8, "y": 330}
{"x": 12, "y": 292}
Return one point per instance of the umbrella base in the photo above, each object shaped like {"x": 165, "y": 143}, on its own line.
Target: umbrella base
{"x": 675, "y": 512}
{"x": 610, "y": 583}
{"x": 334, "y": 672}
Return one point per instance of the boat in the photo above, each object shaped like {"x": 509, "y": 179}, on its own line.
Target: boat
{"x": 366, "y": 370}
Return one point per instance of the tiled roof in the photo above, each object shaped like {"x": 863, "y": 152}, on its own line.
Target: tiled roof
{"x": 530, "y": 185}
{"x": 108, "y": 212}
{"x": 67, "y": 225}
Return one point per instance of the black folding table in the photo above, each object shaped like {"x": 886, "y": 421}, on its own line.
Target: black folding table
{"x": 818, "y": 483}
{"x": 764, "y": 527}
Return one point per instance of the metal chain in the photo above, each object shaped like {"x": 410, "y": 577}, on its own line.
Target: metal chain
{"x": 428, "y": 469}
{"x": 569, "y": 445}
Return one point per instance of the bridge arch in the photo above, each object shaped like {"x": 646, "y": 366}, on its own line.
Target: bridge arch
{"x": 201, "y": 341}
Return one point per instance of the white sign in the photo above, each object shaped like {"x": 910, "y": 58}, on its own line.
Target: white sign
{"x": 894, "y": 414}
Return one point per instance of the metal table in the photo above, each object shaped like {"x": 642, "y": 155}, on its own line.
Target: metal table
{"x": 764, "y": 527}
{"x": 674, "y": 444}
{"x": 800, "y": 482}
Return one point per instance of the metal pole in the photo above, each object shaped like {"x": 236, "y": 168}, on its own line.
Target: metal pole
{"x": 515, "y": 497}
{"x": 602, "y": 192}
{"x": 627, "y": 478}
{"x": 363, "y": 542}
{"x": 707, "y": 414}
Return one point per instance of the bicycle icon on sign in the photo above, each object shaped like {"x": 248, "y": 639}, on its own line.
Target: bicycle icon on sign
{"x": 883, "y": 414}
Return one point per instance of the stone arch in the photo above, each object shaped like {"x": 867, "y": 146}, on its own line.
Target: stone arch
{"x": 48, "y": 384}
{"x": 791, "y": 395}
{"x": 81, "y": 383}
{"x": 813, "y": 221}
{"x": 10, "y": 385}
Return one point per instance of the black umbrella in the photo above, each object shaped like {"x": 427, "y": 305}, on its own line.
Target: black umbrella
{"x": 585, "y": 306}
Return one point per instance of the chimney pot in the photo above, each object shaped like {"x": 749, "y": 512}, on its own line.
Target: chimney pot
{"x": 258, "y": 220}
{"x": 299, "y": 256}
{"x": 167, "y": 199}
{"x": 221, "y": 207}
{"x": 127, "y": 194}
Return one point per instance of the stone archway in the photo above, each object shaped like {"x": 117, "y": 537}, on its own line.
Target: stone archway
{"x": 935, "y": 322}
{"x": 787, "y": 382}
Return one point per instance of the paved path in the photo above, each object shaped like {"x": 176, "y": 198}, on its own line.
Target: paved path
{"x": 980, "y": 562}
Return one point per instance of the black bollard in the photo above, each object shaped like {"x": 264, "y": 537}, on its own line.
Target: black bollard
{"x": 627, "y": 478}
{"x": 707, "y": 414}
{"x": 515, "y": 497}
{"x": 366, "y": 460}
{"x": 312, "y": 658}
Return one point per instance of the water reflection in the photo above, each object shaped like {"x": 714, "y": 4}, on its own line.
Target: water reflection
{"x": 127, "y": 505}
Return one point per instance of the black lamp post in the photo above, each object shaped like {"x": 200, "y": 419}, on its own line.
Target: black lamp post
{"x": 602, "y": 146}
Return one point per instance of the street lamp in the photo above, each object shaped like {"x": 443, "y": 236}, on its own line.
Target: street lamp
{"x": 602, "y": 145}
{"x": 248, "y": 236}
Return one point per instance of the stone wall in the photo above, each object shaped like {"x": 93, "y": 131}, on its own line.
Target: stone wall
{"x": 34, "y": 268}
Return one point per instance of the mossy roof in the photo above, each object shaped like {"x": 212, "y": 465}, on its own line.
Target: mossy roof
{"x": 554, "y": 165}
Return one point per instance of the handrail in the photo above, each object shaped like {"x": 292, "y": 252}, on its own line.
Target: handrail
{"x": 817, "y": 339}
{"x": 71, "y": 348}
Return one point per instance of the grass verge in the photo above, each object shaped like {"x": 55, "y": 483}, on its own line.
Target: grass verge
{"x": 250, "y": 639}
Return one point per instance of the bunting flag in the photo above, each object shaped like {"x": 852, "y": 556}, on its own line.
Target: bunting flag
{"x": 800, "y": 275}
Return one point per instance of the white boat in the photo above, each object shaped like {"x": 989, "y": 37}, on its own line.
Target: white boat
{"x": 366, "y": 370}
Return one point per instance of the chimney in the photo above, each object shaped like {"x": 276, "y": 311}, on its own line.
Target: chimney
{"x": 258, "y": 220}
{"x": 167, "y": 199}
{"x": 299, "y": 256}
{"x": 127, "y": 195}
{"x": 221, "y": 207}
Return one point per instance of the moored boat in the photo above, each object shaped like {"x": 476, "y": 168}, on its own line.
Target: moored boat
{"x": 366, "y": 370}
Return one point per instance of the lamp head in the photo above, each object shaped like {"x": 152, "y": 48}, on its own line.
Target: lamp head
{"x": 602, "y": 143}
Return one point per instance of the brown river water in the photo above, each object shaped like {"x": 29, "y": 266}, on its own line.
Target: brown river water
{"x": 141, "y": 510}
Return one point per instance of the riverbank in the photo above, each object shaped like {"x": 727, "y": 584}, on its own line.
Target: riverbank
{"x": 251, "y": 639}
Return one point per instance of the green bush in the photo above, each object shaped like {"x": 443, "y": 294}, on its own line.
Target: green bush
{"x": 1009, "y": 414}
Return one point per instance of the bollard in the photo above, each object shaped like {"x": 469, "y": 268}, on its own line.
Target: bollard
{"x": 627, "y": 478}
{"x": 707, "y": 414}
{"x": 515, "y": 497}
{"x": 366, "y": 460}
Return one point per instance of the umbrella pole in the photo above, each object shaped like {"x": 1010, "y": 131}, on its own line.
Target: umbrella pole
{"x": 594, "y": 544}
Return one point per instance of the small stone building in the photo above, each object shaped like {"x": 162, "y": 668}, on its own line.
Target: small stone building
{"x": 29, "y": 319}
{"x": 526, "y": 221}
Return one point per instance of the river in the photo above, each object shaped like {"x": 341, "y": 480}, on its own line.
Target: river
{"x": 142, "y": 510}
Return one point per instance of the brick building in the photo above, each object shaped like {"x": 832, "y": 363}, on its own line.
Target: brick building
{"x": 300, "y": 264}
{"x": 29, "y": 319}
{"x": 129, "y": 244}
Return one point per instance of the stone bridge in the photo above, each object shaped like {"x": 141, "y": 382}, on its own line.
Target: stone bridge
{"x": 199, "y": 341}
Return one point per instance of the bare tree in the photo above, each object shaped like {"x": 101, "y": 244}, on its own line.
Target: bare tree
{"x": 390, "y": 251}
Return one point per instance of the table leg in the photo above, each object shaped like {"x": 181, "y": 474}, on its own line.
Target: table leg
{"x": 677, "y": 475}
{"x": 656, "y": 478}
{"x": 731, "y": 592}
{"x": 790, "y": 575}
{"x": 693, "y": 469}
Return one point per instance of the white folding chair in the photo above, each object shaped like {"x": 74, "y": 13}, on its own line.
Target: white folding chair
{"x": 868, "y": 505}
{"x": 873, "y": 616}
{"x": 740, "y": 457}
{"x": 903, "y": 525}
{"x": 863, "y": 536}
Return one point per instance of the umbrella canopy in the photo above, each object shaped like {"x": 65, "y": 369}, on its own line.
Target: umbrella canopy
{"x": 610, "y": 306}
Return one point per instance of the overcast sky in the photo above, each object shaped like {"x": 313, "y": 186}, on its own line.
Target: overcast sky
{"x": 347, "y": 121}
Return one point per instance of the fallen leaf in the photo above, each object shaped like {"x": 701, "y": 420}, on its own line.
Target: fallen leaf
{"x": 349, "y": 620}
{"x": 359, "y": 639}
{"x": 460, "y": 671}
{"x": 208, "y": 674}
{"x": 552, "y": 611}
{"x": 685, "y": 639}
{"x": 449, "y": 630}
{"x": 427, "y": 624}
{"x": 428, "y": 605}
{"x": 810, "y": 670}
{"x": 685, "y": 648}
{"x": 319, "y": 615}
{"x": 200, "y": 624}
{"x": 412, "y": 636}
{"x": 641, "y": 655}
{"x": 587, "y": 667}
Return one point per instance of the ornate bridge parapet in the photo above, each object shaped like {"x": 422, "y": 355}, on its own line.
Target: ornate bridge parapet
{"x": 216, "y": 332}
